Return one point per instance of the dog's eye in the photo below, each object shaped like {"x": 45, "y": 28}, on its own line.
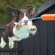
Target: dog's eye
{"x": 28, "y": 15}
{"x": 21, "y": 15}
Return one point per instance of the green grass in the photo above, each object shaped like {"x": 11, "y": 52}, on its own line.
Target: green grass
{"x": 5, "y": 17}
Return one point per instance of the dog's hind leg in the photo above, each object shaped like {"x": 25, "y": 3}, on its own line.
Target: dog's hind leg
{"x": 3, "y": 43}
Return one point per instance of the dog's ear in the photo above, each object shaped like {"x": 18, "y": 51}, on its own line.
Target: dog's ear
{"x": 12, "y": 11}
{"x": 31, "y": 10}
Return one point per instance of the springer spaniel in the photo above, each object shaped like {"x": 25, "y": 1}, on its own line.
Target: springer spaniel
{"x": 19, "y": 28}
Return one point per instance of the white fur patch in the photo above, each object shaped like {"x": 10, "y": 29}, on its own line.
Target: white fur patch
{"x": 24, "y": 31}
{"x": 3, "y": 43}
{"x": 11, "y": 44}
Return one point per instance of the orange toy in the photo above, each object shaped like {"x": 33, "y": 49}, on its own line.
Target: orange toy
{"x": 48, "y": 17}
{"x": 44, "y": 17}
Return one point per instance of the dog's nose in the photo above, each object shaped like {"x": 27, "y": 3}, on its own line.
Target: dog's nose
{"x": 26, "y": 22}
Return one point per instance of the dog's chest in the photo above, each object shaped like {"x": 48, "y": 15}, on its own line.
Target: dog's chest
{"x": 22, "y": 32}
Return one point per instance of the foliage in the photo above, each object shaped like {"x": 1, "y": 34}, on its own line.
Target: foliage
{"x": 5, "y": 17}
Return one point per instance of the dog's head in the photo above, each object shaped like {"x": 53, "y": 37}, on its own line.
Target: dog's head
{"x": 22, "y": 14}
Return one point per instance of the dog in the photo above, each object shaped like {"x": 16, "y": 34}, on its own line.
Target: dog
{"x": 19, "y": 16}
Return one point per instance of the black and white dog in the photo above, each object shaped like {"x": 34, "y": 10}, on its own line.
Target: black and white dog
{"x": 17, "y": 25}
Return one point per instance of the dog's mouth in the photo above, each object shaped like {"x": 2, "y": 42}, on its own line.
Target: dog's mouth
{"x": 25, "y": 22}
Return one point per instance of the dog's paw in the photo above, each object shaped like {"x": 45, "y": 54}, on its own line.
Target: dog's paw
{"x": 11, "y": 44}
{"x": 17, "y": 25}
{"x": 32, "y": 28}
